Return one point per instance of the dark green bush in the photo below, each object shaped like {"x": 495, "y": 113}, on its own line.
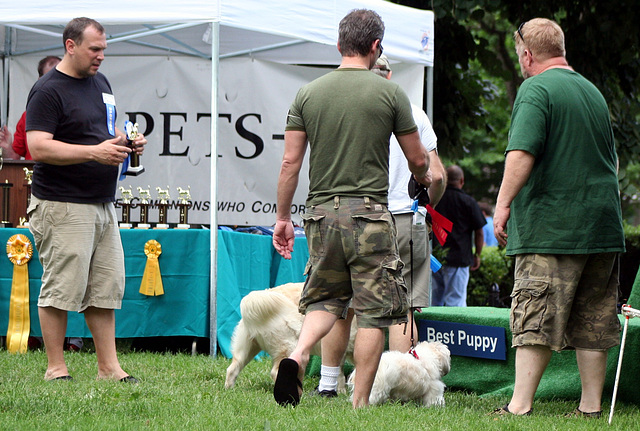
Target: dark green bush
{"x": 631, "y": 236}
{"x": 495, "y": 268}
{"x": 630, "y": 260}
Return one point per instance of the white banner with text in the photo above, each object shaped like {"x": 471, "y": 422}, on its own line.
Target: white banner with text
{"x": 170, "y": 99}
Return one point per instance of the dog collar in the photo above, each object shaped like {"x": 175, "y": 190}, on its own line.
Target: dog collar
{"x": 413, "y": 352}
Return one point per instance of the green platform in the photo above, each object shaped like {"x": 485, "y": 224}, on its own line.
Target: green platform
{"x": 561, "y": 379}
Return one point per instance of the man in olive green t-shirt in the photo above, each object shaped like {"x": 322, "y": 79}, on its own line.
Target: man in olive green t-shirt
{"x": 346, "y": 118}
{"x": 558, "y": 212}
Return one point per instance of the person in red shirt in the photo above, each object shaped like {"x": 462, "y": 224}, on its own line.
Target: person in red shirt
{"x": 15, "y": 146}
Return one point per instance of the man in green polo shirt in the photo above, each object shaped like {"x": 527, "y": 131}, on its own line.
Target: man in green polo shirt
{"x": 558, "y": 211}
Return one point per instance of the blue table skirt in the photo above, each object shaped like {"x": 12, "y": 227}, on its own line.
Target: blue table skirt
{"x": 182, "y": 310}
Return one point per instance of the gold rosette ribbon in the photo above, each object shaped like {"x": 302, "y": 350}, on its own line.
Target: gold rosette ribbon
{"x": 19, "y": 252}
{"x": 151, "y": 279}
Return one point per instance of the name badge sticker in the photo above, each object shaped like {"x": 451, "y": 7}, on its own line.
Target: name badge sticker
{"x": 109, "y": 99}
{"x": 110, "y": 103}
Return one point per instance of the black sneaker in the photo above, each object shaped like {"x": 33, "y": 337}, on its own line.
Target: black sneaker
{"x": 326, "y": 394}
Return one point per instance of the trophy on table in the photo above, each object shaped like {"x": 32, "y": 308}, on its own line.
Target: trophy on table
{"x": 6, "y": 199}
{"x": 127, "y": 196}
{"x": 144, "y": 208}
{"x": 134, "y": 168}
{"x": 163, "y": 206}
{"x": 183, "y": 204}
{"x": 28, "y": 175}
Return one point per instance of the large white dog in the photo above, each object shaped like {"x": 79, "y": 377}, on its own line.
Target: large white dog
{"x": 407, "y": 377}
{"x": 271, "y": 322}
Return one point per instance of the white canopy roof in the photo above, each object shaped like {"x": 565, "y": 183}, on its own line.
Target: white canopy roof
{"x": 286, "y": 31}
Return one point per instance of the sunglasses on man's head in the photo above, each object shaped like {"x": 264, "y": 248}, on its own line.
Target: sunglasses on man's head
{"x": 520, "y": 31}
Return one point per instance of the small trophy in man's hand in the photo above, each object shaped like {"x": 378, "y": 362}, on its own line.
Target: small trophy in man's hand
{"x": 134, "y": 167}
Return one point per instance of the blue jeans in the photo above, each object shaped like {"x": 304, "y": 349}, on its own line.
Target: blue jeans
{"x": 449, "y": 286}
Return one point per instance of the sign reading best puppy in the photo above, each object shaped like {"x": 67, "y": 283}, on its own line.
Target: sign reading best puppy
{"x": 463, "y": 339}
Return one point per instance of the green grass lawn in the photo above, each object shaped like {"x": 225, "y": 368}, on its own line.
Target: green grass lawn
{"x": 184, "y": 392}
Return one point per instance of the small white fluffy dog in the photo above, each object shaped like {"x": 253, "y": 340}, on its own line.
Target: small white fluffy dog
{"x": 405, "y": 377}
{"x": 271, "y": 322}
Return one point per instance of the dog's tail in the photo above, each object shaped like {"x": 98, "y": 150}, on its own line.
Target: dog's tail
{"x": 261, "y": 305}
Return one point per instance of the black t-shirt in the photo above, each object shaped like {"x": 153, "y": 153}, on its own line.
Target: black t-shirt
{"x": 74, "y": 111}
{"x": 467, "y": 217}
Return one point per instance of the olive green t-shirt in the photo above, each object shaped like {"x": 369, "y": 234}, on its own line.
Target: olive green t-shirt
{"x": 571, "y": 202}
{"x": 348, "y": 116}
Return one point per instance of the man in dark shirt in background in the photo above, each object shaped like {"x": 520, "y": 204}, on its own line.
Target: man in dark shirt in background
{"x": 449, "y": 284}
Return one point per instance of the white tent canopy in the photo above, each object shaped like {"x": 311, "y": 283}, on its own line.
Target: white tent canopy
{"x": 282, "y": 31}
{"x": 265, "y": 28}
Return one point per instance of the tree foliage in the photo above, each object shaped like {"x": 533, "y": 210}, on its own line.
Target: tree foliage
{"x": 476, "y": 76}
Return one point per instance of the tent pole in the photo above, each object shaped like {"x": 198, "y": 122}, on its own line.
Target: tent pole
{"x": 429, "y": 103}
{"x": 213, "y": 295}
{"x": 4, "y": 103}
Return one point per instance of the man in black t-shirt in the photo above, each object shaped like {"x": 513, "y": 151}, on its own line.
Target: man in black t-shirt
{"x": 71, "y": 134}
{"x": 449, "y": 284}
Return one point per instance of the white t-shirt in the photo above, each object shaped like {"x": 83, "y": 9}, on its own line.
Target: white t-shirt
{"x": 399, "y": 173}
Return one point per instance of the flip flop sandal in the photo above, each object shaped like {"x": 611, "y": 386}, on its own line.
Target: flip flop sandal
{"x": 502, "y": 411}
{"x": 129, "y": 379}
{"x": 285, "y": 390}
{"x": 59, "y": 378}
{"x": 577, "y": 413}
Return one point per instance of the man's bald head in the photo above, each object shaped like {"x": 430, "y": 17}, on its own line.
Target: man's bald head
{"x": 455, "y": 176}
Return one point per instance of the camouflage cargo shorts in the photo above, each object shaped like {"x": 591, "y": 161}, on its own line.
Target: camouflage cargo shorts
{"x": 353, "y": 256}
{"x": 566, "y": 301}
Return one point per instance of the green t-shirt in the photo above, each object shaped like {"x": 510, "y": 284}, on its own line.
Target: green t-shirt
{"x": 348, "y": 116}
{"x": 571, "y": 202}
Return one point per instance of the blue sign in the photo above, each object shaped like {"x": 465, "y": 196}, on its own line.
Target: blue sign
{"x": 462, "y": 339}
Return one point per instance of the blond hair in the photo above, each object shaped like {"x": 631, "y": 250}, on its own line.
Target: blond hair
{"x": 543, "y": 37}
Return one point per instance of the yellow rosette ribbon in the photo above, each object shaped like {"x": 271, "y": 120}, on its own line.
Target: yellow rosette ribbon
{"x": 151, "y": 279}
{"x": 19, "y": 252}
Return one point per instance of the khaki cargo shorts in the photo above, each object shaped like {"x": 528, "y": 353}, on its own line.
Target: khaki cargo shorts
{"x": 418, "y": 280}
{"x": 566, "y": 301}
{"x": 353, "y": 256}
{"x": 81, "y": 254}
